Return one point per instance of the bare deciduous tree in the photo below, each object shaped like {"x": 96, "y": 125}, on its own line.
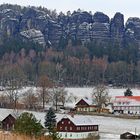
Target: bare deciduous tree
{"x": 59, "y": 96}
{"x": 3, "y": 101}
{"x": 44, "y": 84}
{"x": 30, "y": 99}
{"x": 14, "y": 81}
{"x": 100, "y": 96}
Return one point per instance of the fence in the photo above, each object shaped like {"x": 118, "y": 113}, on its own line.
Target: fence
{"x": 13, "y": 136}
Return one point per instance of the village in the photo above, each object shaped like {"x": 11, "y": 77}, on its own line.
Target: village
{"x": 83, "y": 120}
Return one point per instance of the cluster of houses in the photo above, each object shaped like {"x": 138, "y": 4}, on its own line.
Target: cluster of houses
{"x": 70, "y": 126}
{"x": 121, "y": 105}
{"x": 85, "y": 105}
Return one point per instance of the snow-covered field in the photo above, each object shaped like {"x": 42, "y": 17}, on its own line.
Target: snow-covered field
{"x": 75, "y": 94}
{"x": 87, "y": 92}
{"x": 109, "y": 128}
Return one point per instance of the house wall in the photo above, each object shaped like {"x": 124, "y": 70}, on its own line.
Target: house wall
{"x": 65, "y": 125}
{"x": 77, "y": 135}
{"x": 127, "y": 109}
{"x": 86, "y": 109}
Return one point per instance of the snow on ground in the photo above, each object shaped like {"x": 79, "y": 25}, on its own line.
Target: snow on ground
{"x": 87, "y": 92}
{"x": 107, "y": 125}
{"x": 116, "y": 125}
{"x": 109, "y": 128}
{"x": 75, "y": 94}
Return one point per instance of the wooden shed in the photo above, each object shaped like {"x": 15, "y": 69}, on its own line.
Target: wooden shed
{"x": 128, "y": 135}
{"x": 8, "y": 122}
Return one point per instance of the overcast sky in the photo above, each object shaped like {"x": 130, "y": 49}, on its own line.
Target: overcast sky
{"x": 130, "y": 8}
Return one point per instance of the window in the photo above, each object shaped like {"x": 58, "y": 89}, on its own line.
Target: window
{"x": 68, "y": 122}
{"x": 95, "y": 127}
{"x": 70, "y": 128}
{"x": 65, "y": 135}
{"x": 65, "y": 127}
{"x": 70, "y": 135}
{"x": 78, "y": 128}
{"x": 62, "y": 122}
{"x": 119, "y": 103}
{"x": 60, "y": 128}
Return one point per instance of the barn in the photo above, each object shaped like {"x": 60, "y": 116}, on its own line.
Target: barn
{"x": 76, "y": 127}
{"x": 7, "y": 119}
{"x": 85, "y": 105}
{"x": 128, "y": 135}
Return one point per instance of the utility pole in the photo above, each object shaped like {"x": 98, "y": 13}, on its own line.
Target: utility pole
{"x": 135, "y": 133}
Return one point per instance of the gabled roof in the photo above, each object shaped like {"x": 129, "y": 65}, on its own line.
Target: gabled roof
{"x": 133, "y": 133}
{"x": 78, "y": 120}
{"x": 128, "y": 100}
{"x": 87, "y": 101}
{"x": 6, "y": 112}
{"x": 137, "y": 98}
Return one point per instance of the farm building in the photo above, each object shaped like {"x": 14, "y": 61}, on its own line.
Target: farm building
{"x": 85, "y": 105}
{"x": 68, "y": 126}
{"x": 7, "y": 119}
{"x": 76, "y": 127}
{"x": 129, "y": 135}
{"x": 127, "y": 104}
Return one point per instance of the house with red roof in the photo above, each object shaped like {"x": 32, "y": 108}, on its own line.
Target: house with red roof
{"x": 127, "y": 104}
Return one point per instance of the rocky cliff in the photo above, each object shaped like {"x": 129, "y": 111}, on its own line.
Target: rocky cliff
{"x": 43, "y": 26}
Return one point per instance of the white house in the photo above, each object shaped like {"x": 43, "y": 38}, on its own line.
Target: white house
{"x": 127, "y": 104}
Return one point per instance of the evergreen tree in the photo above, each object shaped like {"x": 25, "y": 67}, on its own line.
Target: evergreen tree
{"x": 128, "y": 92}
{"x": 50, "y": 124}
{"x": 28, "y": 124}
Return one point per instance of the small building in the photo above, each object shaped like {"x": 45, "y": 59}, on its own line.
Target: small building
{"x": 8, "y": 122}
{"x": 7, "y": 119}
{"x": 76, "y": 127}
{"x": 128, "y": 135}
{"x": 85, "y": 105}
{"x": 127, "y": 105}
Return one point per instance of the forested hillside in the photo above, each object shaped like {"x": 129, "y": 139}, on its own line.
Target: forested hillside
{"x": 72, "y": 49}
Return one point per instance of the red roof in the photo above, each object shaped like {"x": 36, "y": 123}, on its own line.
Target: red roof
{"x": 137, "y": 98}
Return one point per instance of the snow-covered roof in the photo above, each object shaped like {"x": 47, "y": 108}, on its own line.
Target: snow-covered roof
{"x": 78, "y": 120}
{"x": 87, "y": 100}
{"x": 5, "y": 112}
{"x": 40, "y": 116}
{"x": 127, "y": 100}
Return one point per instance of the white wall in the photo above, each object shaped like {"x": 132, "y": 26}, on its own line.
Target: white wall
{"x": 76, "y": 135}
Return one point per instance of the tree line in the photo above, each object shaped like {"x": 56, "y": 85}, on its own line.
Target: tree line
{"x": 74, "y": 65}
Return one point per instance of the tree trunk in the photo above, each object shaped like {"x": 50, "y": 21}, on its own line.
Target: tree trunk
{"x": 43, "y": 98}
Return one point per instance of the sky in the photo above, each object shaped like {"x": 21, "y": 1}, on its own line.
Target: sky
{"x": 130, "y": 8}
